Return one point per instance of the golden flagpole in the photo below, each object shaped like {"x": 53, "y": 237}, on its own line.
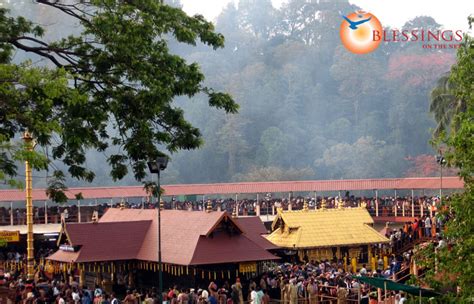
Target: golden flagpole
{"x": 28, "y": 139}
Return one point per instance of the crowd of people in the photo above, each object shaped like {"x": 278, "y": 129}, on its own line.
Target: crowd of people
{"x": 387, "y": 205}
{"x": 311, "y": 283}
{"x": 383, "y": 206}
{"x": 13, "y": 254}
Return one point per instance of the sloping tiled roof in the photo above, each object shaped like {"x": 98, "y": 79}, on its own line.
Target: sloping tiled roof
{"x": 248, "y": 187}
{"x": 188, "y": 238}
{"x": 253, "y": 228}
{"x": 222, "y": 248}
{"x": 104, "y": 242}
{"x": 324, "y": 228}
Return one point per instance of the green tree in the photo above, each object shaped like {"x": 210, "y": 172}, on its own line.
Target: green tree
{"x": 444, "y": 105}
{"x": 118, "y": 72}
{"x": 456, "y": 263}
{"x": 273, "y": 147}
{"x": 232, "y": 143}
{"x": 365, "y": 158}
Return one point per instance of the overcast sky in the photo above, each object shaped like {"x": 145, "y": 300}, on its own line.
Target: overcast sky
{"x": 451, "y": 14}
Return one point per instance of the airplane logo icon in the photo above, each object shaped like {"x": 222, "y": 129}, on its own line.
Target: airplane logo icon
{"x": 353, "y": 24}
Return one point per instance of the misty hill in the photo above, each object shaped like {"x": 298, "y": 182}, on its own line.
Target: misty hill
{"x": 309, "y": 108}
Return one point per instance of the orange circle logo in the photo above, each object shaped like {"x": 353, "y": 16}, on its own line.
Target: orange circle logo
{"x": 357, "y": 32}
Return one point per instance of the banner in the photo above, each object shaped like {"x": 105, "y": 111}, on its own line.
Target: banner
{"x": 248, "y": 267}
{"x": 10, "y": 236}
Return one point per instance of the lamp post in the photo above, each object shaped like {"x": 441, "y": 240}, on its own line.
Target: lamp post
{"x": 30, "y": 255}
{"x": 157, "y": 166}
{"x": 441, "y": 161}
{"x": 268, "y": 197}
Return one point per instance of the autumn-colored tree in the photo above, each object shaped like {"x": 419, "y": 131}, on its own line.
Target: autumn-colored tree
{"x": 425, "y": 165}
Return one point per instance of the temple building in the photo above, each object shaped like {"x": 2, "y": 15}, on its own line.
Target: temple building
{"x": 326, "y": 234}
{"x": 121, "y": 248}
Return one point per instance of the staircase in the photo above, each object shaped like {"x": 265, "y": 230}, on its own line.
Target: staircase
{"x": 410, "y": 245}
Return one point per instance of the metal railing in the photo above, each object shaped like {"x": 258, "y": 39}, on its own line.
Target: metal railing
{"x": 78, "y": 213}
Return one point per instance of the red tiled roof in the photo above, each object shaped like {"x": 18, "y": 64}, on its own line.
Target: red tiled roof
{"x": 253, "y": 228}
{"x": 133, "y": 234}
{"x": 64, "y": 256}
{"x": 222, "y": 248}
{"x": 249, "y": 187}
{"x": 104, "y": 242}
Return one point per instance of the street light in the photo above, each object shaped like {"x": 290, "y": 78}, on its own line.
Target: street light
{"x": 441, "y": 161}
{"x": 268, "y": 197}
{"x": 157, "y": 166}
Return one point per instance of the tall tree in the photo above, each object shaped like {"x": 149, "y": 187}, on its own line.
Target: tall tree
{"x": 118, "y": 71}
{"x": 444, "y": 104}
{"x": 232, "y": 142}
{"x": 456, "y": 262}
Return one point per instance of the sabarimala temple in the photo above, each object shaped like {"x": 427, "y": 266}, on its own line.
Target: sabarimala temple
{"x": 327, "y": 234}
{"x": 121, "y": 248}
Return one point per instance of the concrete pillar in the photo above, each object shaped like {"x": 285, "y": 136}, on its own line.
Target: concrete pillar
{"x": 289, "y": 201}
{"x": 412, "y": 205}
{"x": 11, "y": 213}
{"x": 273, "y": 209}
{"x": 45, "y": 212}
{"x": 79, "y": 211}
{"x": 257, "y": 206}
{"x": 237, "y": 204}
{"x": 376, "y": 203}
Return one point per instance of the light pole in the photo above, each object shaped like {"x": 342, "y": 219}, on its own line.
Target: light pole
{"x": 441, "y": 161}
{"x": 30, "y": 254}
{"x": 157, "y": 166}
{"x": 268, "y": 197}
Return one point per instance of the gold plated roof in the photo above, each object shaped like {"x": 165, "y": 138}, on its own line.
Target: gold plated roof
{"x": 324, "y": 228}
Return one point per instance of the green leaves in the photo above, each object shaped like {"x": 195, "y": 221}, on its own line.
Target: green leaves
{"x": 456, "y": 264}
{"x": 57, "y": 187}
{"x": 114, "y": 85}
{"x": 221, "y": 101}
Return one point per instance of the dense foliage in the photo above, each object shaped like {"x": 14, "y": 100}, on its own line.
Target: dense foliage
{"x": 454, "y": 273}
{"x": 305, "y": 101}
{"x": 109, "y": 88}
{"x": 308, "y": 107}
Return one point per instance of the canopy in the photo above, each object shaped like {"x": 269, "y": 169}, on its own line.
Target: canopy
{"x": 391, "y": 285}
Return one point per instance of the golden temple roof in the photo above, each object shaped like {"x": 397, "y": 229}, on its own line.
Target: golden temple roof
{"x": 324, "y": 228}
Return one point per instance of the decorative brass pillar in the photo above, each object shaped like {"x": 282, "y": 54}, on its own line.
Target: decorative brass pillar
{"x": 305, "y": 205}
{"x": 209, "y": 206}
{"x": 28, "y": 139}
